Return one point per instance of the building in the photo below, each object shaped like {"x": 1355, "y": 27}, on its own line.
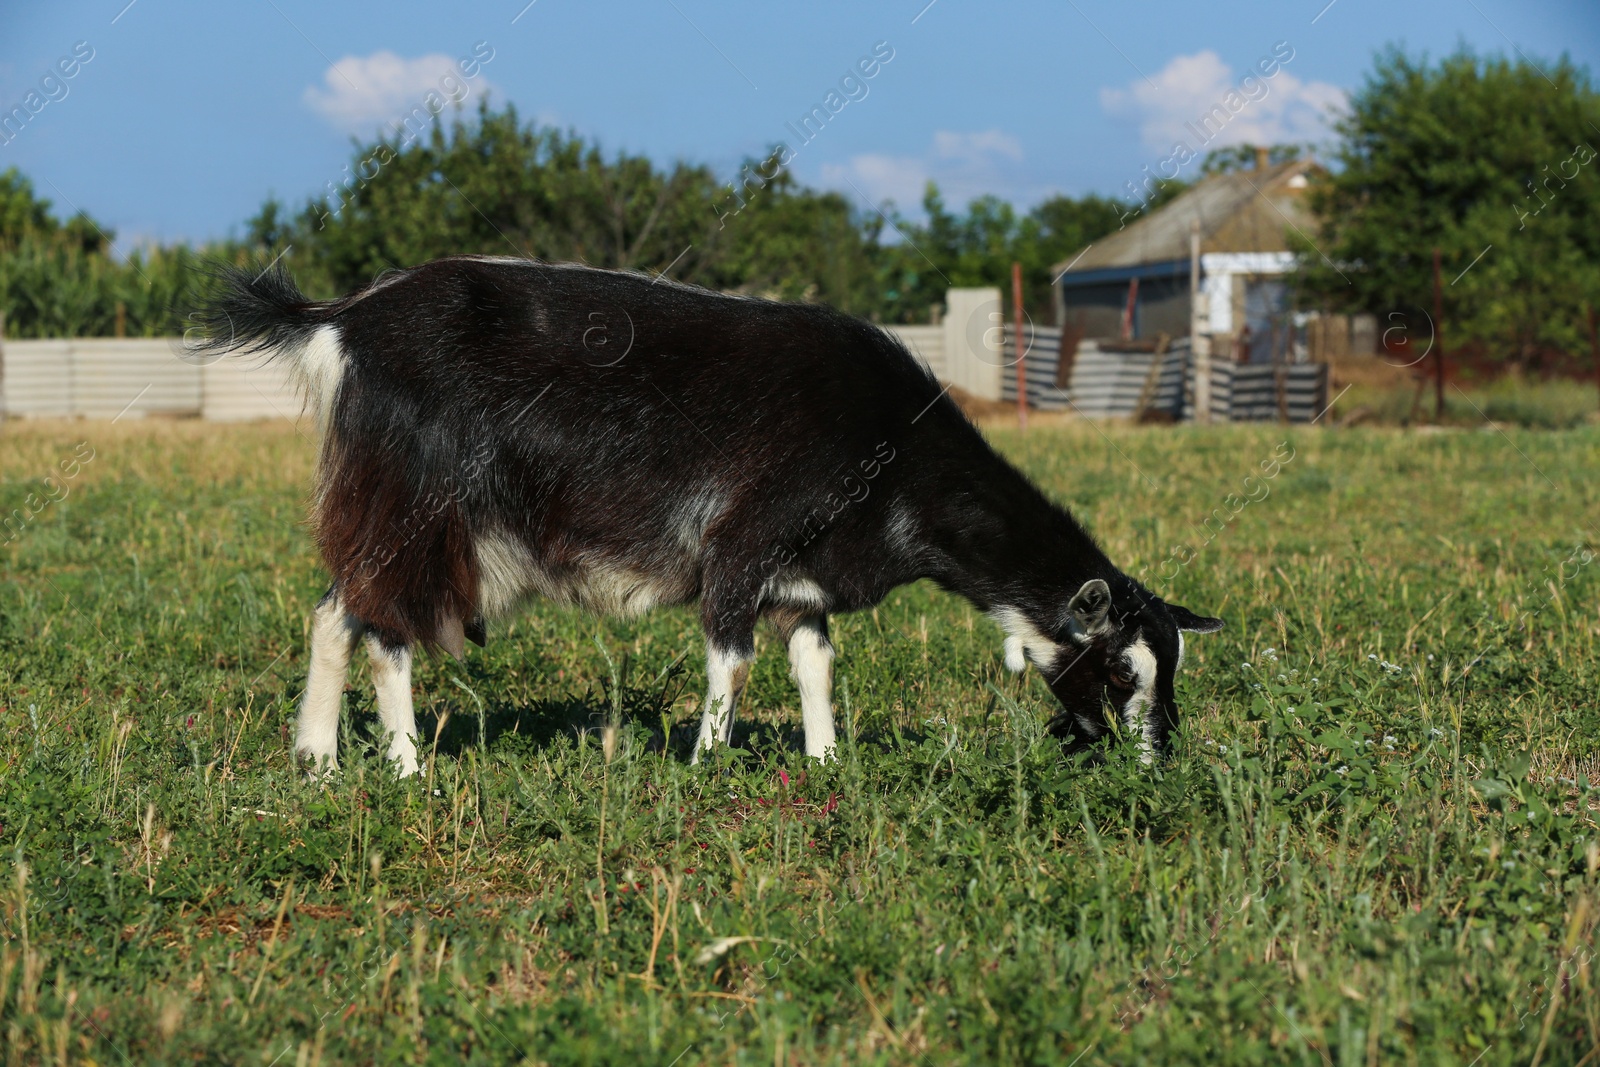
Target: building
{"x": 1135, "y": 283}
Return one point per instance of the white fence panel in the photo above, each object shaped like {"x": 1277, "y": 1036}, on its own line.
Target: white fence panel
{"x": 38, "y": 378}
{"x": 973, "y": 325}
{"x": 132, "y": 378}
{"x": 101, "y": 378}
{"x": 241, "y": 389}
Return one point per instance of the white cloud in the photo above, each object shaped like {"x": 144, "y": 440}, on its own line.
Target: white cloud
{"x": 360, "y": 94}
{"x": 1284, "y": 109}
{"x": 898, "y": 178}
{"x": 977, "y": 148}
{"x": 965, "y": 165}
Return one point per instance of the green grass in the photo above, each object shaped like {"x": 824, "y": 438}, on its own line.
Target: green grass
{"x": 1556, "y": 404}
{"x": 1374, "y": 844}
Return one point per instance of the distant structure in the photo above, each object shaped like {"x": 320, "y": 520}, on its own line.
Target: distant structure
{"x": 1136, "y": 282}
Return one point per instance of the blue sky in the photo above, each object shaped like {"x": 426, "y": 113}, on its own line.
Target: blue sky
{"x": 190, "y": 113}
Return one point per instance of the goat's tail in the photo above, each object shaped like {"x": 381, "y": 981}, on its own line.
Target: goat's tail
{"x": 264, "y": 312}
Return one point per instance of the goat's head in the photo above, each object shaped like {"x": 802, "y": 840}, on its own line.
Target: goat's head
{"x": 1103, "y": 652}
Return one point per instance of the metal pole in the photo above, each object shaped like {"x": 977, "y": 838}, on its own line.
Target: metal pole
{"x": 1022, "y": 367}
{"x": 1438, "y": 340}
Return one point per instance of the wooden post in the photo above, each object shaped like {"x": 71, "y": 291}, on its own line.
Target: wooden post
{"x": 121, "y": 328}
{"x": 1199, "y": 342}
{"x": 1022, "y": 361}
{"x": 1127, "y": 312}
{"x": 1438, "y": 340}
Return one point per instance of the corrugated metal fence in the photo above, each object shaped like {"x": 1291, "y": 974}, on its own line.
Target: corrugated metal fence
{"x": 1103, "y": 385}
{"x": 115, "y": 379}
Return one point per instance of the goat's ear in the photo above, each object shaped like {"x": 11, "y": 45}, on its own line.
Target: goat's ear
{"x": 1189, "y": 622}
{"x": 1089, "y": 610}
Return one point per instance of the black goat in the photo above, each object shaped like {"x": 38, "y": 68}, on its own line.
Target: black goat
{"x": 498, "y": 428}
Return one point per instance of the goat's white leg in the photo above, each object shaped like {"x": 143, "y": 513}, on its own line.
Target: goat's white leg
{"x": 811, "y": 664}
{"x": 334, "y": 633}
{"x": 726, "y": 675}
{"x": 391, "y": 676}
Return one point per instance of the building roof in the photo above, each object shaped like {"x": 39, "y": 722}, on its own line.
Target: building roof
{"x": 1240, "y": 211}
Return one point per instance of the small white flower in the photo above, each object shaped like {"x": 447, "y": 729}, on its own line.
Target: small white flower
{"x": 1389, "y": 739}
{"x": 1373, "y": 657}
{"x": 1436, "y": 732}
{"x": 1341, "y": 770}
{"x": 1223, "y": 749}
{"x": 1508, "y": 864}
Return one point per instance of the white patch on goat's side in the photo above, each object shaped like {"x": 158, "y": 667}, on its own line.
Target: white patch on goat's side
{"x": 607, "y": 589}
{"x": 1024, "y": 640}
{"x": 693, "y": 516}
{"x": 506, "y": 573}
{"x": 794, "y": 593}
{"x": 1180, "y": 648}
{"x": 901, "y": 532}
{"x": 1142, "y": 664}
{"x": 319, "y": 366}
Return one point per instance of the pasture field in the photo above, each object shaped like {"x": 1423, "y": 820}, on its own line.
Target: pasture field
{"x": 1375, "y": 842}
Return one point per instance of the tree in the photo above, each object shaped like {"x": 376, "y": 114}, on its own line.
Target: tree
{"x": 1490, "y": 161}
{"x": 58, "y": 279}
{"x": 26, "y": 217}
{"x": 493, "y": 186}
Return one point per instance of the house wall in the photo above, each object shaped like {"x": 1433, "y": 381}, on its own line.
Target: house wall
{"x": 1094, "y": 310}
{"x": 1162, "y": 306}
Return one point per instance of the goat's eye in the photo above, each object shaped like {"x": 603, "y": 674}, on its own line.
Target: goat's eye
{"x": 1121, "y": 679}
